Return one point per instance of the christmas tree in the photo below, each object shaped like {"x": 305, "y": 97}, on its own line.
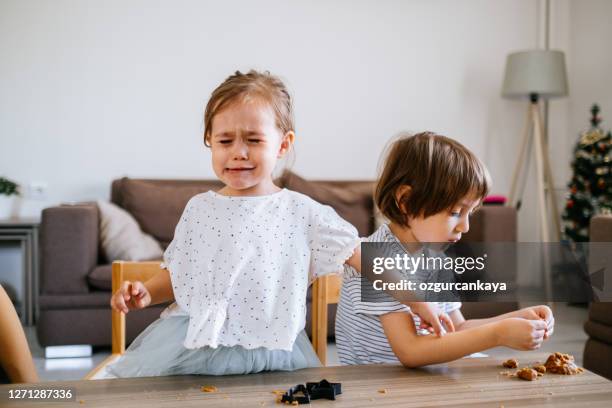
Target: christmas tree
{"x": 590, "y": 189}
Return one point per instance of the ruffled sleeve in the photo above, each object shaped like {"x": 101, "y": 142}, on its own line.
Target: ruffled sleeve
{"x": 332, "y": 242}
{"x": 180, "y": 235}
{"x": 177, "y": 261}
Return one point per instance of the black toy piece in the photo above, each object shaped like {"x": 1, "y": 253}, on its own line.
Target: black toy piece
{"x": 312, "y": 391}
{"x": 324, "y": 389}
{"x": 290, "y": 398}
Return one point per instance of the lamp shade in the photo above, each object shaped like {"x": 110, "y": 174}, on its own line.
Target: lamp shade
{"x": 540, "y": 72}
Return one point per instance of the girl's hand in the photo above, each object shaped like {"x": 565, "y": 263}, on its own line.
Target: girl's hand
{"x": 131, "y": 295}
{"x": 521, "y": 334}
{"x": 540, "y": 312}
{"x": 432, "y": 318}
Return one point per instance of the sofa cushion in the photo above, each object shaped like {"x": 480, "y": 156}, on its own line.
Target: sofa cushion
{"x": 101, "y": 277}
{"x": 351, "y": 200}
{"x": 85, "y": 301}
{"x": 157, "y": 205}
{"x": 121, "y": 237}
{"x": 89, "y": 325}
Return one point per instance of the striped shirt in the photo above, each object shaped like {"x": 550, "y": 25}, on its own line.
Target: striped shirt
{"x": 360, "y": 337}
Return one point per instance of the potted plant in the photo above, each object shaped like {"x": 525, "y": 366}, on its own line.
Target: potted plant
{"x": 9, "y": 198}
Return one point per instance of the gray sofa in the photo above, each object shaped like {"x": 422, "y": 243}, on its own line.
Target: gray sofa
{"x": 75, "y": 276}
{"x": 598, "y": 348}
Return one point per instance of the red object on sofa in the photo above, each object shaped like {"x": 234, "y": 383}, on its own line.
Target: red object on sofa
{"x": 495, "y": 200}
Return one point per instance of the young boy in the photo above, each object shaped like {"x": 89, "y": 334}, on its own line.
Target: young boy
{"x": 429, "y": 187}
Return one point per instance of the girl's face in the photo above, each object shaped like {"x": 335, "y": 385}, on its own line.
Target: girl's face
{"x": 246, "y": 144}
{"x": 445, "y": 226}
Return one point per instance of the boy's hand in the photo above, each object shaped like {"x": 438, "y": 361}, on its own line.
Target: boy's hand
{"x": 521, "y": 334}
{"x": 432, "y": 318}
{"x": 540, "y": 312}
{"x": 131, "y": 295}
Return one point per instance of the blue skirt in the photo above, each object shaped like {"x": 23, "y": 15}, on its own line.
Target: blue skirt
{"x": 159, "y": 350}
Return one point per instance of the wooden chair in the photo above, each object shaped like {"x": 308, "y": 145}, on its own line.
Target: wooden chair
{"x": 122, "y": 271}
{"x": 325, "y": 291}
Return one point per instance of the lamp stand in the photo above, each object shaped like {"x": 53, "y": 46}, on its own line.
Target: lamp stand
{"x": 533, "y": 135}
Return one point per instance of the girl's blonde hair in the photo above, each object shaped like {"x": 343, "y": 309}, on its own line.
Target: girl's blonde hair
{"x": 439, "y": 170}
{"x": 240, "y": 87}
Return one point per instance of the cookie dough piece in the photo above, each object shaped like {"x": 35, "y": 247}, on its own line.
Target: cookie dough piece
{"x": 560, "y": 363}
{"x": 540, "y": 369}
{"x": 527, "y": 374}
{"x": 512, "y": 363}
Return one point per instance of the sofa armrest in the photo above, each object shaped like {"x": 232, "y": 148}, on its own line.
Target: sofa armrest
{"x": 69, "y": 248}
{"x": 600, "y": 228}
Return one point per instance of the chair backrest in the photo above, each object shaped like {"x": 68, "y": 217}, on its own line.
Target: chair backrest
{"x": 122, "y": 271}
{"x": 132, "y": 271}
{"x": 325, "y": 291}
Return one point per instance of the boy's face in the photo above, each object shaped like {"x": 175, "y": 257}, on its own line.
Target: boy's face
{"x": 246, "y": 144}
{"x": 445, "y": 226}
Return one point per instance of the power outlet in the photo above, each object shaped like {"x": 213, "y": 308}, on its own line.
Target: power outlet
{"x": 36, "y": 190}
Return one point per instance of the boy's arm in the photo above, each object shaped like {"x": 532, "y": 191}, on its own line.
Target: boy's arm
{"x": 423, "y": 310}
{"x": 414, "y": 351}
{"x": 533, "y": 313}
{"x": 160, "y": 287}
{"x": 462, "y": 324}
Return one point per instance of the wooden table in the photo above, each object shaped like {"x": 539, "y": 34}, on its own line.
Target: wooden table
{"x": 467, "y": 382}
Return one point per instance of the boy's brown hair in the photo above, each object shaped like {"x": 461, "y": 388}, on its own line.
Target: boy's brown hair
{"x": 258, "y": 85}
{"x": 439, "y": 170}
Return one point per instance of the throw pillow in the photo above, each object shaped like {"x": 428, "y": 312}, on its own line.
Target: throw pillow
{"x": 121, "y": 237}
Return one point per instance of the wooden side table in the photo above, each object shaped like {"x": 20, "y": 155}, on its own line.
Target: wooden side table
{"x": 24, "y": 231}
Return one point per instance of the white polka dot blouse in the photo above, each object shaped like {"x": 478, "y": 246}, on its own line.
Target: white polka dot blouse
{"x": 240, "y": 266}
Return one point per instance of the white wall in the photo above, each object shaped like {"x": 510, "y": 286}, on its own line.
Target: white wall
{"x": 583, "y": 29}
{"x": 94, "y": 90}
{"x": 591, "y": 63}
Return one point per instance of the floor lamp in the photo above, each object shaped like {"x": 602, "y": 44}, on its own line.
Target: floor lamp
{"x": 536, "y": 74}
